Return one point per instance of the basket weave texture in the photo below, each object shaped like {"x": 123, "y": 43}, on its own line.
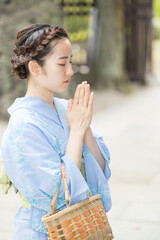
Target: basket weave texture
{"x": 85, "y": 220}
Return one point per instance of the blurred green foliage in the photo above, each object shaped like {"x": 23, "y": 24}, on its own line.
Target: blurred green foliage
{"x": 77, "y": 18}
{"x": 77, "y": 27}
{"x": 74, "y": 1}
{"x": 80, "y": 36}
{"x": 156, "y": 8}
{"x": 77, "y": 9}
{"x": 156, "y": 19}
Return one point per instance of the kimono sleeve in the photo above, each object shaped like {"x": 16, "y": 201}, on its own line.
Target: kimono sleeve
{"x": 104, "y": 150}
{"x": 34, "y": 167}
{"x": 97, "y": 180}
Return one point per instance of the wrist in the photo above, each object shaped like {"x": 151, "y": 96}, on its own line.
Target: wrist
{"x": 77, "y": 132}
{"x": 87, "y": 133}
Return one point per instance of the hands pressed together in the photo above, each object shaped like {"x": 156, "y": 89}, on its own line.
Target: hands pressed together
{"x": 79, "y": 116}
{"x": 80, "y": 109}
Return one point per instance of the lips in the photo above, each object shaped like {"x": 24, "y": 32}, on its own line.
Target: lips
{"x": 67, "y": 80}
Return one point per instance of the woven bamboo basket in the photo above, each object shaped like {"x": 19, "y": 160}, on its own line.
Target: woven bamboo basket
{"x": 85, "y": 220}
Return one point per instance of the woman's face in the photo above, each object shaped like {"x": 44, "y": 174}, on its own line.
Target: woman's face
{"x": 57, "y": 69}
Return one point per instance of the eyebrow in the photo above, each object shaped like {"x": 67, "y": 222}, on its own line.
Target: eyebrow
{"x": 64, "y": 57}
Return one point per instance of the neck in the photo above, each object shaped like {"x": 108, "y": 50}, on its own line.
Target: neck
{"x": 37, "y": 91}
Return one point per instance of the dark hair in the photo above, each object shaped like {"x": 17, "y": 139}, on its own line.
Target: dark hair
{"x": 34, "y": 43}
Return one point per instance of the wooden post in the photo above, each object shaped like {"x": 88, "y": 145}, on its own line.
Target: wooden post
{"x": 138, "y": 15}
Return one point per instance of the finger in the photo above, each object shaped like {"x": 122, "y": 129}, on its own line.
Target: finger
{"x": 86, "y": 95}
{"x": 70, "y": 103}
{"x": 84, "y": 82}
{"x": 90, "y": 103}
{"x": 76, "y": 95}
{"x": 81, "y": 95}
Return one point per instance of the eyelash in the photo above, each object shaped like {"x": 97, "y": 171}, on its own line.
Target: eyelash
{"x": 63, "y": 64}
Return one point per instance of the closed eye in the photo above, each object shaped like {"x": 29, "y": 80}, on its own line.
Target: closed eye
{"x": 64, "y": 64}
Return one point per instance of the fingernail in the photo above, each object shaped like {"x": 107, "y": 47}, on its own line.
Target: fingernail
{"x": 79, "y": 85}
{"x": 86, "y": 86}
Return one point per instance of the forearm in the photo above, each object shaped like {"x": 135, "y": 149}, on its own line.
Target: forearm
{"x": 92, "y": 145}
{"x": 74, "y": 146}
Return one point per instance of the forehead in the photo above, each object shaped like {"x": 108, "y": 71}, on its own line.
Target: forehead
{"x": 61, "y": 47}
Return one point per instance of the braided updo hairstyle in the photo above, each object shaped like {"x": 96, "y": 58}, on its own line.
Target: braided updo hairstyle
{"x": 34, "y": 43}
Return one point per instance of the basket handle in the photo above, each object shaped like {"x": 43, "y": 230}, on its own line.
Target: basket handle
{"x": 67, "y": 196}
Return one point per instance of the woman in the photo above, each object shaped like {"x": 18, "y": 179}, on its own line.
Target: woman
{"x": 44, "y": 131}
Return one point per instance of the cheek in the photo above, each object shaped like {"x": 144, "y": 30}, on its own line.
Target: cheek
{"x": 56, "y": 76}
{"x": 60, "y": 71}
{"x": 55, "y": 72}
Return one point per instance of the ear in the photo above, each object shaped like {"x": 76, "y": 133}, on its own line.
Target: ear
{"x": 34, "y": 68}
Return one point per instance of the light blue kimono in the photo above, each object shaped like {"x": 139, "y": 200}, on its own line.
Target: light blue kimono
{"x": 33, "y": 147}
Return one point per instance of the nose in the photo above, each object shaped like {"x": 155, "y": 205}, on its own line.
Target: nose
{"x": 69, "y": 70}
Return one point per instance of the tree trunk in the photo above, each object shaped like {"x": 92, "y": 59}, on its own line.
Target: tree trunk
{"x": 109, "y": 68}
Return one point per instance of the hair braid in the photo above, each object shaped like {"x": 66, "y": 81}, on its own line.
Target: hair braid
{"x": 33, "y": 43}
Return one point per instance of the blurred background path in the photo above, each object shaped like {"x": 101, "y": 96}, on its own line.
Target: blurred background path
{"x": 130, "y": 126}
{"x": 131, "y": 130}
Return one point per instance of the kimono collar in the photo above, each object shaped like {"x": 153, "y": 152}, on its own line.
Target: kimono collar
{"x": 61, "y": 106}
{"x": 37, "y": 104}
